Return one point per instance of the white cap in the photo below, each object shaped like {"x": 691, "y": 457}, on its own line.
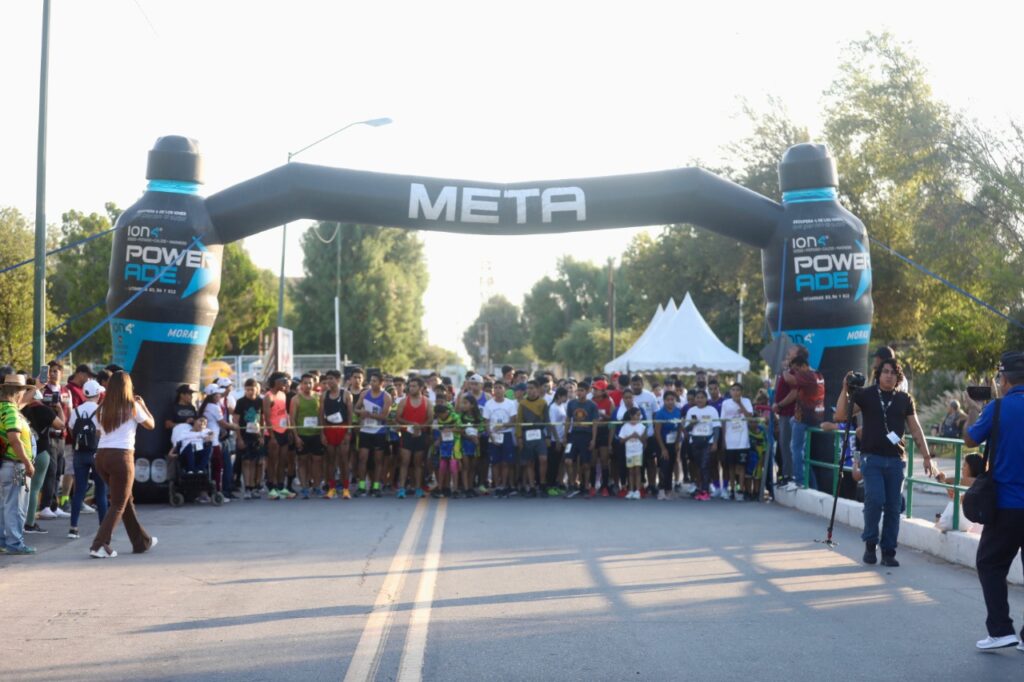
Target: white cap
{"x": 224, "y": 382}
{"x": 477, "y": 378}
{"x": 212, "y": 389}
{"x": 92, "y": 388}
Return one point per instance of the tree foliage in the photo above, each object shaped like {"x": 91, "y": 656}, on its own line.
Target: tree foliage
{"x": 579, "y": 349}
{"x": 505, "y": 334}
{"x": 17, "y": 235}
{"x": 78, "y": 279}
{"x": 248, "y": 304}
{"x": 383, "y": 277}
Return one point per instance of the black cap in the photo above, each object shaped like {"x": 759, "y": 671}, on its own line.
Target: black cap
{"x": 174, "y": 157}
{"x": 185, "y": 388}
{"x": 807, "y": 166}
{"x": 1011, "y": 362}
{"x": 884, "y": 353}
{"x": 85, "y": 369}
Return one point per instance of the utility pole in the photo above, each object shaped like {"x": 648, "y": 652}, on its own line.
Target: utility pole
{"x": 743, "y": 296}
{"x": 39, "y": 279}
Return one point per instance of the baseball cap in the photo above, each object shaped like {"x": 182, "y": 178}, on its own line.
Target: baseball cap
{"x": 224, "y": 382}
{"x": 884, "y": 352}
{"x": 519, "y": 387}
{"x": 1011, "y": 362}
{"x": 185, "y": 388}
{"x": 600, "y": 385}
{"x": 212, "y": 389}
{"x": 92, "y": 388}
{"x": 85, "y": 369}
{"x": 477, "y": 378}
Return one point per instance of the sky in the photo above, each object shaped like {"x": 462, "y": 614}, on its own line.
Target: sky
{"x": 482, "y": 91}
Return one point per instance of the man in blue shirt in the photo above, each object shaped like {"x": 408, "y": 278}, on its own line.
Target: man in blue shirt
{"x": 1000, "y": 541}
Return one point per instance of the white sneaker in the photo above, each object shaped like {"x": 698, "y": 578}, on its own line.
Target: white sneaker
{"x": 102, "y": 553}
{"x": 61, "y": 514}
{"x": 791, "y": 487}
{"x": 46, "y": 514}
{"x": 691, "y": 488}
{"x": 88, "y": 509}
{"x": 152, "y": 544}
{"x": 1020, "y": 647}
{"x": 998, "y": 642}
{"x": 723, "y": 493}
{"x": 661, "y": 495}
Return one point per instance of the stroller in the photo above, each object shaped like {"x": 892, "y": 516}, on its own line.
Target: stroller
{"x": 192, "y": 476}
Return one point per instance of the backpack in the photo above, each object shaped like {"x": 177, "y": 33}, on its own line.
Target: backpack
{"x": 85, "y": 436}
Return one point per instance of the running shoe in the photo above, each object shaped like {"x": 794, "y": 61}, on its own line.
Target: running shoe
{"x": 88, "y": 509}
{"x": 288, "y": 494}
{"x": 420, "y": 492}
{"x": 24, "y": 549}
{"x": 247, "y": 495}
{"x": 61, "y": 514}
{"x": 305, "y": 493}
{"x": 36, "y": 528}
{"x": 604, "y": 491}
{"x": 73, "y": 533}
{"x": 100, "y": 553}
{"x": 273, "y": 494}
{"x": 573, "y": 493}
{"x": 591, "y": 494}
{"x": 553, "y": 491}
{"x": 377, "y": 492}
{"x": 436, "y": 494}
{"x": 345, "y": 494}
{"x": 993, "y": 642}
{"x": 661, "y": 495}
{"x": 532, "y": 493}
{"x": 482, "y": 489}
{"x": 623, "y": 493}
{"x": 400, "y": 494}
{"x": 331, "y": 494}
{"x": 46, "y": 514}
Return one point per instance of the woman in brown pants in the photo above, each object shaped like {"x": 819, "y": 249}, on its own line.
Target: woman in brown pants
{"x": 120, "y": 413}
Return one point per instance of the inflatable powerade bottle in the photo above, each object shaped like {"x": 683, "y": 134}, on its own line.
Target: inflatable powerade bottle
{"x": 817, "y": 269}
{"x": 164, "y": 280}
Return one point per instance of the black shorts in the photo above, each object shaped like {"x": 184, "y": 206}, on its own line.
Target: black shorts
{"x": 311, "y": 445}
{"x": 651, "y": 451}
{"x": 373, "y": 441}
{"x": 602, "y": 436}
{"x": 413, "y": 443}
{"x": 253, "y": 450}
{"x": 580, "y": 450}
{"x": 281, "y": 438}
{"x": 735, "y": 458}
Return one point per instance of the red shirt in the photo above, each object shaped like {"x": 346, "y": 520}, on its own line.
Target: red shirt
{"x": 616, "y": 397}
{"x": 782, "y": 389}
{"x": 605, "y": 406}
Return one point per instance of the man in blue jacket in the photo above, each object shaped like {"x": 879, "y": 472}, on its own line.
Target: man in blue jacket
{"x": 1000, "y": 541}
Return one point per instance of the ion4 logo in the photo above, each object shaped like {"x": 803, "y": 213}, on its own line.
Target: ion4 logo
{"x": 144, "y": 232}
{"x": 810, "y": 242}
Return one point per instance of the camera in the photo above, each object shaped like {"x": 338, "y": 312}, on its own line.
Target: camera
{"x": 855, "y": 381}
{"x": 979, "y": 393}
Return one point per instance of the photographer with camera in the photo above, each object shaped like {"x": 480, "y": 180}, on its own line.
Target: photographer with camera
{"x": 887, "y": 414}
{"x": 1001, "y": 540}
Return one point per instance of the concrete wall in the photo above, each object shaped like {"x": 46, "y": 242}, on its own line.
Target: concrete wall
{"x": 953, "y": 546}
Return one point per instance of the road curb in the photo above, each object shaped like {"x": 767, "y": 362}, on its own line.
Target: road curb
{"x": 952, "y": 546}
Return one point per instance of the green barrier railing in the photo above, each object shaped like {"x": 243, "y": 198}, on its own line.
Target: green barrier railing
{"x": 837, "y": 440}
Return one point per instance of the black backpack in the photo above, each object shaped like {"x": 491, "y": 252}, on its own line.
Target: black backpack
{"x": 85, "y": 436}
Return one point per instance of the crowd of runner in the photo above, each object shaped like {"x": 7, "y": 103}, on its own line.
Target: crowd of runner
{"x": 370, "y": 435}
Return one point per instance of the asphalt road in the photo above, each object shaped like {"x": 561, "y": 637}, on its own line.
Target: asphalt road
{"x": 489, "y": 589}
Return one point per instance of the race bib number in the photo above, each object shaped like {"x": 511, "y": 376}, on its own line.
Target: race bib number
{"x": 532, "y": 435}
{"x": 568, "y": 448}
{"x": 671, "y": 437}
{"x": 414, "y": 430}
{"x": 283, "y": 423}
{"x": 702, "y": 428}
{"x": 498, "y": 438}
{"x": 370, "y": 422}
{"x": 310, "y": 421}
{"x": 252, "y": 427}
{"x": 335, "y": 418}
{"x": 470, "y": 431}
{"x": 634, "y": 448}
{"x": 447, "y": 436}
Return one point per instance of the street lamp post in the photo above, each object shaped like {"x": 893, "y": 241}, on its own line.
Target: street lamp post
{"x": 374, "y": 123}
{"x": 39, "y": 277}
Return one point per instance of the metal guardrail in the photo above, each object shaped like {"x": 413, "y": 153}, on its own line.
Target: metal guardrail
{"x": 911, "y": 480}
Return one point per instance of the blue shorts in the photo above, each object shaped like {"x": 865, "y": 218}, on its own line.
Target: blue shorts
{"x": 580, "y": 450}
{"x": 504, "y": 452}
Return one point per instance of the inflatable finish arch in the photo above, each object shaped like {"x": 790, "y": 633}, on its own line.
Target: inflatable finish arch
{"x": 814, "y": 253}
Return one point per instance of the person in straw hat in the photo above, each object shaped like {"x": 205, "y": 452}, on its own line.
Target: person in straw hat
{"x": 16, "y": 466}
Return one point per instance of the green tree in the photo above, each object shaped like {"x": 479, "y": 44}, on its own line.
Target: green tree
{"x": 78, "y": 280}
{"x": 505, "y": 333}
{"x": 435, "y": 357}
{"x": 248, "y": 304}
{"x": 17, "y": 235}
{"x": 383, "y": 277}
{"x": 579, "y": 349}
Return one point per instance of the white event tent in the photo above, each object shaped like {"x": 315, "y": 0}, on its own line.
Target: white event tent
{"x": 678, "y": 339}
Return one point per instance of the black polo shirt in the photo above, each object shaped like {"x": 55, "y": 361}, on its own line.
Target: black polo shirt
{"x": 897, "y": 406}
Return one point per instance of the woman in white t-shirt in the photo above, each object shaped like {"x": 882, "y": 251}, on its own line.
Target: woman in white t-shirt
{"x": 119, "y": 415}
{"x": 633, "y": 435}
{"x": 703, "y": 426}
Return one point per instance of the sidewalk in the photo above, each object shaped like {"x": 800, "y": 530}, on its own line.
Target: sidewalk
{"x": 919, "y": 533}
